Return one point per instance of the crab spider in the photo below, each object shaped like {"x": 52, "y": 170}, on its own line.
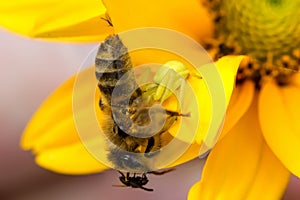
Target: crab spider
{"x": 169, "y": 78}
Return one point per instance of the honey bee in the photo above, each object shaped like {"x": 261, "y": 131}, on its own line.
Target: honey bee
{"x": 128, "y": 113}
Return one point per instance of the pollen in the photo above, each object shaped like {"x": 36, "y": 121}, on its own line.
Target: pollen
{"x": 267, "y": 31}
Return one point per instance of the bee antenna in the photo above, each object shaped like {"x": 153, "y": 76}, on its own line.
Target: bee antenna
{"x": 122, "y": 174}
{"x": 142, "y": 187}
{"x": 161, "y": 172}
{"x": 147, "y": 189}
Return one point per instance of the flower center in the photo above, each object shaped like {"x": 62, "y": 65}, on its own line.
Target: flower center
{"x": 268, "y": 31}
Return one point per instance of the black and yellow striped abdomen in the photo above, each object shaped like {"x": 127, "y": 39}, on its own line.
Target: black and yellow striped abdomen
{"x": 113, "y": 65}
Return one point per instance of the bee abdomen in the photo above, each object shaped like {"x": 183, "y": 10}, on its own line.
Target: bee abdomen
{"x": 113, "y": 67}
{"x": 112, "y": 59}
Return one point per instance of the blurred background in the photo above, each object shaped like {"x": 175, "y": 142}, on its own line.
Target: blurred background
{"x": 30, "y": 71}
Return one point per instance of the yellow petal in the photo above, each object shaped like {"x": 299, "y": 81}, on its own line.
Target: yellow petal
{"x": 271, "y": 178}
{"x": 52, "y": 132}
{"x": 195, "y": 127}
{"x": 228, "y": 66}
{"x": 241, "y": 166}
{"x": 191, "y": 153}
{"x": 239, "y": 103}
{"x": 54, "y": 113}
{"x": 194, "y": 192}
{"x": 53, "y": 124}
{"x": 56, "y": 20}
{"x": 295, "y": 79}
{"x": 188, "y": 17}
{"x": 71, "y": 159}
{"x": 279, "y": 110}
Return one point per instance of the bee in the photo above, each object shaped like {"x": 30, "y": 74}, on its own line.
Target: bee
{"x": 128, "y": 115}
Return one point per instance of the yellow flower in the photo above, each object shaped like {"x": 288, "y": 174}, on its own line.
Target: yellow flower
{"x": 259, "y": 145}
{"x": 52, "y": 134}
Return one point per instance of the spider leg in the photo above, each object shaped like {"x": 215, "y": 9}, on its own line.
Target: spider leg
{"x": 168, "y": 84}
{"x": 161, "y": 87}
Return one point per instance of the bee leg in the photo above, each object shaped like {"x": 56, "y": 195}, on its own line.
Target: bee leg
{"x": 153, "y": 146}
{"x": 127, "y": 175}
{"x": 175, "y": 113}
